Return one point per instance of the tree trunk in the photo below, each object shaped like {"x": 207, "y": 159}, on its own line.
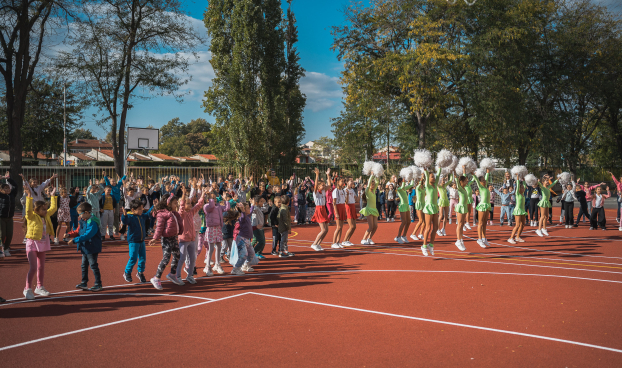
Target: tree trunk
{"x": 522, "y": 155}
{"x": 422, "y": 122}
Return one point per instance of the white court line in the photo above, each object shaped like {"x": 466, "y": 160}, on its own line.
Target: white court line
{"x": 444, "y": 322}
{"x": 22, "y": 301}
{"x": 116, "y": 323}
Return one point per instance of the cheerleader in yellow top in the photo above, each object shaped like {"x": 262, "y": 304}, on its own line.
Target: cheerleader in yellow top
{"x": 370, "y": 211}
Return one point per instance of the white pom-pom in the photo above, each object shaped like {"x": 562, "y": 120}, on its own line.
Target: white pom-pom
{"x": 446, "y": 171}
{"x": 378, "y": 170}
{"x": 416, "y": 172}
{"x": 454, "y": 163}
{"x": 564, "y": 178}
{"x": 520, "y": 170}
{"x": 406, "y": 174}
{"x": 367, "y": 167}
{"x": 423, "y": 158}
{"x": 479, "y": 172}
{"x": 471, "y": 166}
{"x": 531, "y": 179}
{"x": 443, "y": 158}
{"x": 488, "y": 163}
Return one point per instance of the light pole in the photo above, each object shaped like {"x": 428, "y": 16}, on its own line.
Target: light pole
{"x": 64, "y": 125}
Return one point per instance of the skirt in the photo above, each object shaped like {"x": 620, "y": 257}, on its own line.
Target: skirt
{"x": 443, "y": 202}
{"x": 430, "y": 209}
{"x": 320, "y": 215}
{"x": 483, "y": 207}
{"x": 544, "y": 203}
{"x": 213, "y": 234}
{"x": 460, "y": 208}
{"x": 519, "y": 212}
{"x": 369, "y": 211}
{"x": 419, "y": 206}
{"x": 351, "y": 211}
{"x": 63, "y": 215}
{"x": 403, "y": 207}
{"x": 341, "y": 212}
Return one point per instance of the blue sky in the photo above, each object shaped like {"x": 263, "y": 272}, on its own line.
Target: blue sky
{"x": 321, "y": 84}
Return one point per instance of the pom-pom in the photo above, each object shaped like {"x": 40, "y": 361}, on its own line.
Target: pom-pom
{"x": 443, "y": 158}
{"x": 488, "y": 163}
{"x": 416, "y": 172}
{"x": 367, "y": 167}
{"x": 520, "y": 170}
{"x": 378, "y": 170}
{"x": 423, "y": 158}
{"x": 471, "y": 166}
{"x": 454, "y": 163}
{"x": 531, "y": 179}
{"x": 564, "y": 178}
{"x": 479, "y": 172}
{"x": 446, "y": 171}
{"x": 406, "y": 174}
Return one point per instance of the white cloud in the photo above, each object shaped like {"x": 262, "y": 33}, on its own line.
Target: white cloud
{"x": 322, "y": 91}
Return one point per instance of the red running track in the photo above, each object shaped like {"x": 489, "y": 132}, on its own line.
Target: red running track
{"x": 551, "y": 301}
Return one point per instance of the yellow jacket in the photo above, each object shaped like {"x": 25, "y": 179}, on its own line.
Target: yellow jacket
{"x": 272, "y": 180}
{"x": 35, "y": 223}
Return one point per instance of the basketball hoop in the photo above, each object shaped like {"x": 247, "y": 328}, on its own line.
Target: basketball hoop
{"x": 453, "y": 2}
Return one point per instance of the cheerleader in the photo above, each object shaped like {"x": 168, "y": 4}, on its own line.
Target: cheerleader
{"x": 419, "y": 204}
{"x": 452, "y": 192}
{"x": 519, "y": 212}
{"x": 461, "y": 208}
{"x": 351, "y": 215}
{"x": 443, "y": 204}
{"x": 339, "y": 207}
{"x": 404, "y": 209}
{"x": 483, "y": 209}
{"x": 544, "y": 205}
{"x": 469, "y": 198}
{"x": 370, "y": 211}
{"x": 321, "y": 215}
{"x": 431, "y": 211}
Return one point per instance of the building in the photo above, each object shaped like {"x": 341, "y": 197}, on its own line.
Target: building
{"x": 205, "y": 158}
{"x": 381, "y": 156}
{"x": 100, "y": 155}
{"x": 159, "y": 157}
{"x": 87, "y": 145}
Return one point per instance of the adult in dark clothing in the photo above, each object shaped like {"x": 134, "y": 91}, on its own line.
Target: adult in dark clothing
{"x": 8, "y": 192}
{"x": 580, "y": 194}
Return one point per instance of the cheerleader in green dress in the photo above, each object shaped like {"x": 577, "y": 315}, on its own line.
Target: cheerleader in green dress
{"x": 519, "y": 212}
{"x": 431, "y": 211}
{"x": 483, "y": 209}
{"x": 544, "y": 204}
{"x": 469, "y": 192}
{"x": 404, "y": 210}
{"x": 443, "y": 206}
{"x": 461, "y": 208}
{"x": 370, "y": 211}
{"x": 419, "y": 203}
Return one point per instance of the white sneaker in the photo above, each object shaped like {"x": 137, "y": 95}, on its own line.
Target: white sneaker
{"x": 486, "y": 242}
{"x": 474, "y": 224}
{"x": 237, "y": 271}
{"x": 399, "y": 240}
{"x": 24, "y": 241}
{"x": 28, "y": 294}
{"x": 511, "y": 241}
{"x": 467, "y": 226}
{"x": 420, "y": 236}
{"x": 370, "y": 242}
{"x": 388, "y": 219}
{"x": 481, "y": 243}
{"x": 450, "y": 221}
{"x": 539, "y": 232}
{"x": 414, "y": 237}
{"x": 191, "y": 279}
{"x": 439, "y": 233}
{"x": 316, "y": 247}
{"x": 174, "y": 279}
{"x": 247, "y": 268}
{"x": 464, "y": 228}
{"x": 6, "y": 253}
{"x": 620, "y": 228}
{"x": 122, "y": 237}
{"x": 218, "y": 269}
{"x": 431, "y": 249}
{"x": 545, "y": 232}
{"x": 55, "y": 241}
{"x": 41, "y": 291}
{"x": 335, "y": 246}
{"x": 404, "y": 240}
{"x": 207, "y": 271}
{"x": 444, "y": 233}
{"x": 519, "y": 240}
{"x": 364, "y": 242}
{"x": 460, "y": 245}
{"x": 424, "y": 249}
{"x": 156, "y": 283}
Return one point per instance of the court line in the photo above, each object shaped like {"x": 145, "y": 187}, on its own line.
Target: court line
{"x": 43, "y": 299}
{"x": 444, "y": 322}
{"x": 115, "y": 323}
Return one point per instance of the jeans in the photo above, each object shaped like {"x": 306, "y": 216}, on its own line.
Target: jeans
{"x": 618, "y": 213}
{"x": 413, "y": 214}
{"x": 6, "y": 232}
{"x": 276, "y": 239}
{"x": 284, "y": 241}
{"x": 90, "y": 260}
{"x": 107, "y": 220}
{"x": 138, "y": 251}
{"x": 598, "y": 218}
{"x": 243, "y": 246}
{"x": 302, "y": 214}
{"x": 188, "y": 251}
{"x": 583, "y": 211}
{"x": 259, "y": 240}
{"x": 505, "y": 210}
{"x": 512, "y": 207}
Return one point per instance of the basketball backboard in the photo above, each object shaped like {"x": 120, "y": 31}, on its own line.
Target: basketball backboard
{"x": 143, "y": 139}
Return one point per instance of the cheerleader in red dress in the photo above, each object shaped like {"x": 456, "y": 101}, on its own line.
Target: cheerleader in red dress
{"x": 339, "y": 208}
{"x": 321, "y": 215}
{"x": 351, "y": 213}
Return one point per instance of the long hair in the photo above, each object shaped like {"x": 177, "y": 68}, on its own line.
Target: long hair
{"x": 231, "y": 216}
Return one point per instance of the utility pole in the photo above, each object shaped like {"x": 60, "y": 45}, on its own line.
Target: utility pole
{"x": 64, "y": 124}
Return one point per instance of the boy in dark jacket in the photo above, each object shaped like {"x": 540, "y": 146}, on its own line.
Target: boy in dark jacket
{"x": 274, "y": 223}
{"x": 284, "y": 227}
{"x": 583, "y": 211}
{"x": 7, "y": 211}
{"x": 89, "y": 243}
{"x": 136, "y": 222}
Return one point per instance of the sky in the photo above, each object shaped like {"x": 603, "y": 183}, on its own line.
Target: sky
{"x": 320, "y": 85}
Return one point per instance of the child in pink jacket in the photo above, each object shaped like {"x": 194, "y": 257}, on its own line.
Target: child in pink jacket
{"x": 187, "y": 240}
{"x": 213, "y": 233}
{"x": 168, "y": 227}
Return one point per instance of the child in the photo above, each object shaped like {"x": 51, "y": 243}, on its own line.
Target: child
{"x": 581, "y": 197}
{"x": 506, "y": 197}
{"x": 217, "y": 233}
{"x": 320, "y": 216}
{"x": 8, "y": 192}
{"x": 274, "y": 224}
{"x": 169, "y": 226}
{"x": 260, "y": 209}
{"x": 90, "y": 245}
{"x": 187, "y": 240}
{"x": 285, "y": 226}
{"x": 243, "y": 241}
{"x": 39, "y": 230}
{"x": 107, "y": 204}
{"x": 136, "y": 223}
{"x": 598, "y": 209}
{"x": 115, "y": 186}
{"x": 64, "y": 217}
{"x": 93, "y": 194}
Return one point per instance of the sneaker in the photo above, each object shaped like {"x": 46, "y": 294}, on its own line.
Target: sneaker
{"x": 274, "y": 253}
{"x": 218, "y": 269}
{"x": 55, "y": 241}
{"x": 424, "y": 249}
{"x": 370, "y": 242}
{"x": 577, "y": 225}
{"x": 82, "y": 286}
{"x": 467, "y": 226}
{"x": 404, "y": 240}
{"x": 431, "y": 248}
{"x": 486, "y": 242}
{"x": 208, "y": 271}
{"x": 127, "y": 277}
{"x": 41, "y": 291}
{"x": 174, "y": 279}
{"x": 112, "y": 238}
{"x": 545, "y": 232}
{"x": 539, "y": 232}
{"x": 444, "y": 233}
{"x": 364, "y": 242}
{"x": 603, "y": 229}
{"x": 347, "y": 244}
{"x": 156, "y": 283}
{"x": 261, "y": 256}
{"x": 591, "y": 228}
{"x": 141, "y": 277}
{"x": 398, "y": 239}
{"x": 248, "y": 269}
{"x": 414, "y": 237}
{"x": 460, "y": 245}
{"x": 388, "y": 220}
{"x": 335, "y": 246}
{"x": 24, "y": 241}
{"x": 620, "y": 228}
{"x": 420, "y": 236}
{"x": 519, "y": 240}
{"x": 464, "y": 228}
{"x": 122, "y": 237}
{"x": 439, "y": 233}
{"x": 317, "y": 247}
{"x": 511, "y": 241}
{"x": 450, "y": 221}
{"x": 289, "y": 254}
{"x": 510, "y": 224}
{"x": 96, "y": 288}
{"x": 474, "y": 224}
{"x": 237, "y": 271}
{"x": 283, "y": 255}
{"x": 6, "y": 253}
{"x": 481, "y": 243}
{"x": 28, "y": 294}
{"x": 191, "y": 279}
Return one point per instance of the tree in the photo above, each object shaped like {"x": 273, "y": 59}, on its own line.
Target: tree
{"x": 25, "y": 23}
{"x": 179, "y": 139}
{"x": 81, "y": 134}
{"x": 119, "y": 46}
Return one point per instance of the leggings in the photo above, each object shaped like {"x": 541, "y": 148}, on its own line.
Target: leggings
{"x": 331, "y": 211}
{"x": 452, "y": 204}
{"x": 169, "y": 246}
{"x": 188, "y": 252}
{"x": 36, "y": 260}
{"x": 568, "y": 211}
{"x": 533, "y": 210}
{"x": 390, "y": 209}
{"x": 226, "y": 246}
{"x": 492, "y": 212}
